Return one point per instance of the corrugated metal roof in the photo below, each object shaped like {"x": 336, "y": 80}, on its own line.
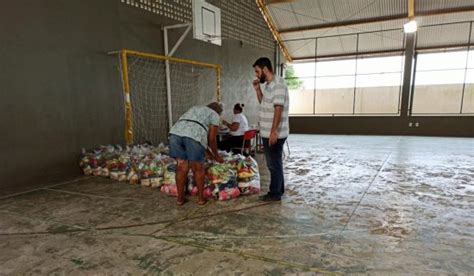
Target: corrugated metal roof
{"x": 472, "y": 34}
{"x": 302, "y": 48}
{"x": 283, "y": 17}
{"x": 347, "y": 44}
{"x": 381, "y": 41}
{"x": 337, "y": 45}
{"x": 442, "y": 35}
{"x": 363, "y": 9}
{"x": 379, "y": 26}
{"x": 430, "y": 5}
{"x": 304, "y": 13}
{"x": 445, "y": 18}
{"x": 314, "y": 14}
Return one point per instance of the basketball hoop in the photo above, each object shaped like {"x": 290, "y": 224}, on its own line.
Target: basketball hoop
{"x": 212, "y": 38}
{"x": 206, "y": 22}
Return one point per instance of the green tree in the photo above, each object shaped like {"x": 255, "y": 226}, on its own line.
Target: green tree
{"x": 291, "y": 79}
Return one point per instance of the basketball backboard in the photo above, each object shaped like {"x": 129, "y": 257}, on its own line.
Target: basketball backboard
{"x": 206, "y": 22}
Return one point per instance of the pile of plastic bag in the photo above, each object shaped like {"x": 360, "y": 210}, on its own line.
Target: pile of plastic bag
{"x": 169, "y": 180}
{"x": 152, "y": 167}
{"x": 138, "y": 164}
{"x": 222, "y": 179}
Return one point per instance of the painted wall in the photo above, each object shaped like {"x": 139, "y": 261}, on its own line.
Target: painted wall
{"x": 428, "y": 99}
{"x": 61, "y": 91}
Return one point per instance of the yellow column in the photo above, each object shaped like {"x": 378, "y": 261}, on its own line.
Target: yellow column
{"x": 128, "y": 104}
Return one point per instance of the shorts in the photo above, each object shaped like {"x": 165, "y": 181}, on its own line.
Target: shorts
{"x": 186, "y": 148}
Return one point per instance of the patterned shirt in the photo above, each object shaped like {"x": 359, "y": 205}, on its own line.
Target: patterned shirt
{"x": 195, "y": 124}
{"x": 274, "y": 93}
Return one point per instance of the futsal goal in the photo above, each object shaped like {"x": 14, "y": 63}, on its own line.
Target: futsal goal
{"x": 155, "y": 97}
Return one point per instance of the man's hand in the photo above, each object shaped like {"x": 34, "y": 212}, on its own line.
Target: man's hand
{"x": 258, "y": 90}
{"x": 256, "y": 84}
{"x": 275, "y": 125}
{"x": 272, "y": 140}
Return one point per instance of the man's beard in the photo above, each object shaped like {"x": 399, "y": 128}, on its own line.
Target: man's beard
{"x": 263, "y": 78}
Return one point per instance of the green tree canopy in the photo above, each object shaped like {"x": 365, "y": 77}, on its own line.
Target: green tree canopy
{"x": 291, "y": 79}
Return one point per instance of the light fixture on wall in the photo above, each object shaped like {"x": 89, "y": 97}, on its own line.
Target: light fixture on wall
{"x": 411, "y": 26}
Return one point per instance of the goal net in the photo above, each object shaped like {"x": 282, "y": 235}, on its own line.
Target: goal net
{"x": 145, "y": 84}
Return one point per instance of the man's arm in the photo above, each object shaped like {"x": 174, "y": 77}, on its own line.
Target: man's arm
{"x": 278, "y": 110}
{"x": 258, "y": 90}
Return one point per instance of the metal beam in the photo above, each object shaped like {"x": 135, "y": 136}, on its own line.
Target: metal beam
{"x": 272, "y": 2}
{"x": 342, "y": 35}
{"x": 276, "y": 35}
{"x": 128, "y": 103}
{"x": 373, "y": 32}
{"x": 180, "y": 40}
{"x": 445, "y": 11}
{"x": 374, "y": 20}
{"x": 168, "y": 80}
{"x": 176, "y": 26}
{"x": 382, "y": 52}
{"x": 312, "y": 58}
{"x": 465, "y": 73}
{"x": 343, "y": 24}
{"x": 411, "y": 8}
{"x": 408, "y": 74}
{"x": 445, "y": 47}
{"x": 168, "y": 53}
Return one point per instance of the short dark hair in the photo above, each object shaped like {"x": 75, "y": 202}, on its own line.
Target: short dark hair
{"x": 239, "y": 107}
{"x": 262, "y": 62}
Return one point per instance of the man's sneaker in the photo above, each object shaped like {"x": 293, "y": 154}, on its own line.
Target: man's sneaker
{"x": 268, "y": 198}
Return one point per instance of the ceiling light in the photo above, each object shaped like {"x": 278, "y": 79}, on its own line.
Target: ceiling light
{"x": 410, "y": 27}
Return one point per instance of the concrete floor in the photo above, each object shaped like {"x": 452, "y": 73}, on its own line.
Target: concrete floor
{"x": 354, "y": 204}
